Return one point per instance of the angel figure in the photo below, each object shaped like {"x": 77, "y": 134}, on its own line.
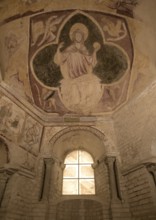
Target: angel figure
{"x": 47, "y": 30}
{"x": 116, "y": 30}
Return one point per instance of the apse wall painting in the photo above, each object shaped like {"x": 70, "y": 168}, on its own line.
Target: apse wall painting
{"x": 123, "y": 7}
{"x": 31, "y": 135}
{"x": 11, "y": 119}
{"x": 80, "y": 62}
{"x": 14, "y": 55}
{"x": 17, "y": 126}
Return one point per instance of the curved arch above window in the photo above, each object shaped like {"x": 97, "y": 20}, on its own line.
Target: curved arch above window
{"x": 78, "y": 175}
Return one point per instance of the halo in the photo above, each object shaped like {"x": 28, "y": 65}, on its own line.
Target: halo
{"x": 78, "y": 27}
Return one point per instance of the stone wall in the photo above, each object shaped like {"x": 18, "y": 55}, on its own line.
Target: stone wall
{"x": 136, "y": 143}
{"x": 16, "y": 200}
{"x": 79, "y": 209}
{"x": 20, "y": 133}
{"x": 37, "y": 193}
{"x": 141, "y": 193}
{"x": 135, "y": 132}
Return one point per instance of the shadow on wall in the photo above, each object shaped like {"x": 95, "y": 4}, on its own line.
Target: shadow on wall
{"x": 79, "y": 209}
{"x": 4, "y": 158}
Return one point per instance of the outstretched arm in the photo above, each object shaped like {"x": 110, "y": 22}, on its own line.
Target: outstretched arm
{"x": 97, "y": 47}
{"x": 57, "y": 57}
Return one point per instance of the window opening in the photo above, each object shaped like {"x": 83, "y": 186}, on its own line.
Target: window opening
{"x": 78, "y": 175}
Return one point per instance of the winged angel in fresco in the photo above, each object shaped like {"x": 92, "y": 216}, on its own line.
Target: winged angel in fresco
{"x": 124, "y": 7}
{"x": 47, "y": 31}
{"x": 116, "y": 31}
{"x": 76, "y": 64}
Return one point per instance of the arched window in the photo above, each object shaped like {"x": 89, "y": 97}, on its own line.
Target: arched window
{"x": 78, "y": 175}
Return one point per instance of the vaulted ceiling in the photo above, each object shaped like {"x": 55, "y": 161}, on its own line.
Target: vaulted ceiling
{"x": 46, "y": 70}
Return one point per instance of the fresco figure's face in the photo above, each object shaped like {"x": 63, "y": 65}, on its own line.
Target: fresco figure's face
{"x": 78, "y": 37}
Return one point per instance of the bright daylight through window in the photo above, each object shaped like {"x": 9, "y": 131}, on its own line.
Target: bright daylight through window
{"x": 78, "y": 175}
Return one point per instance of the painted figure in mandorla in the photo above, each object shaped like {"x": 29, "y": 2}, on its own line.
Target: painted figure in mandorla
{"x": 80, "y": 88}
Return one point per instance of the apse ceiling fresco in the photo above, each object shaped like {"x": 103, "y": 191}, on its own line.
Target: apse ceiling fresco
{"x": 69, "y": 61}
{"x": 79, "y": 61}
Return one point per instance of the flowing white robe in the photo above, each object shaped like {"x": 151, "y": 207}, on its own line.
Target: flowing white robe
{"x": 80, "y": 88}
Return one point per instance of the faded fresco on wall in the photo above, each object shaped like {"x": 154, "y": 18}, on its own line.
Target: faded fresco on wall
{"x": 18, "y": 127}
{"x": 80, "y": 62}
{"x": 123, "y": 7}
{"x": 31, "y": 135}
{"x": 11, "y": 119}
{"x": 14, "y": 56}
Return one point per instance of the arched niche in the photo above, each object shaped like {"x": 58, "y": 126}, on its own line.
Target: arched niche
{"x": 67, "y": 140}
{"x": 4, "y": 158}
{"x": 81, "y": 137}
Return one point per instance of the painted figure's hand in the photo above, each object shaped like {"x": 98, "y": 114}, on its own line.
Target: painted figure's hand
{"x": 61, "y": 45}
{"x": 96, "y": 46}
